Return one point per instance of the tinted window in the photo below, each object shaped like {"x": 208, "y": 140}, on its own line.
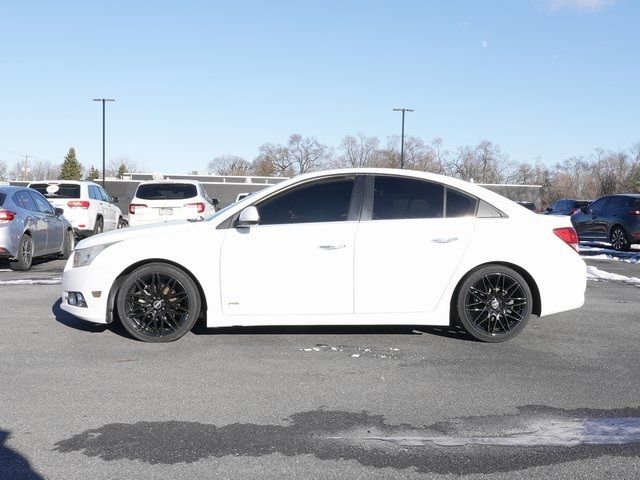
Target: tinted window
{"x": 396, "y": 197}
{"x": 459, "y": 204}
{"x": 23, "y": 200}
{"x": 2, "y": 197}
{"x": 598, "y": 205}
{"x": 65, "y": 190}
{"x": 166, "y": 191}
{"x": 43, "y": 205}
{"x": 324, "y": 201}
{"x": 617, "y": 202}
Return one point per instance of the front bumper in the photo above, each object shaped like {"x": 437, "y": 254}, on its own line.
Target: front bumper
{"x": 94, "y": 284}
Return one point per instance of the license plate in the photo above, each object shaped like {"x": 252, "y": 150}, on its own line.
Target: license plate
{"x": 166, "y": 211}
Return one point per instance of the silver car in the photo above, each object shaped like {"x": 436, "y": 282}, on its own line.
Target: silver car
{"x": 31, "y": 227}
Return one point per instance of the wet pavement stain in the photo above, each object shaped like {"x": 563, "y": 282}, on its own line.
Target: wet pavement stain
{"x": 534, "y": 436}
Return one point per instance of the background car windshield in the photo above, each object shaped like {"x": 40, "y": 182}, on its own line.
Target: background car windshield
{"x": 163, "y": 191}
{"x": 325, "y": 201}
{"x": 65, "y": 190}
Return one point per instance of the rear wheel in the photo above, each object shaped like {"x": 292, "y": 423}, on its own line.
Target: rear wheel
{"x": 619, "y": 240}
{"x": 494, "y": 303}
{"x": 24, "y": 258}
{"x": 98, "y": 227}
{"x": 158, "y": 303}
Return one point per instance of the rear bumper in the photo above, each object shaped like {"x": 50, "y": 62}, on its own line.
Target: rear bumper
{"x": 564, "y": 290}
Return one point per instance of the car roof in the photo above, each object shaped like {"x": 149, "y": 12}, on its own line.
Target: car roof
{"x": 169, "y": 181}
{"x": 11, "y": 188}
{"x": 74, "y": 182}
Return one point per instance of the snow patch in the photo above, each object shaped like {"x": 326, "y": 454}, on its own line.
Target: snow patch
{"x": 33, "y": 281}
{"x": 596, "y": 274}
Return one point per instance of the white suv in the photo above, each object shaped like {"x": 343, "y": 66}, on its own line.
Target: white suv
{"x": 86, "y": 205}
{"x": 165, "y": 200}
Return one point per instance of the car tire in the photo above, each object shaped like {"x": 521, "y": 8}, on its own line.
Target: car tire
{"x": 158, "y": 303}
{"x": 619, "y": 240}
{"x": 121, "y": 223}
{"x": 68, "y": 244}
{"x": 98, "y": 227}
{"x": 24, "y": 258}
{"x": 493, "y": 303}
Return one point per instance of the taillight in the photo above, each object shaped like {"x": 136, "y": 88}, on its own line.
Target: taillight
{"x": 199, "y": 205}
{"x": 6, "y": 216}
{"x": 634, "y": 212}
{"x": 568, "y": 235}
{"x": 134, "y": 206}
{"x": 78, "y": 204}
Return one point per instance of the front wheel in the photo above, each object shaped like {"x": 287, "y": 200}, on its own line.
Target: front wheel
{"x": 158, "y": 302}
{"x": 68, "y": 244}
{"x": 619, "y": 240}
{"x": 494, "y": 303}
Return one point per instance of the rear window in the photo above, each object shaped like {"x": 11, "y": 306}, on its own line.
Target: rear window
{"x": 166, "y": 191}
{"x": 2, "y": 197}
{"x": 65, "y": 190}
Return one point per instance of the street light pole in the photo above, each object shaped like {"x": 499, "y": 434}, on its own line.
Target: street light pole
{"x": 103, "y": 100}
{"x": 402, "y": 137}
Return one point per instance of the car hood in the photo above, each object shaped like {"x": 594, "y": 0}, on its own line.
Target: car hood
{"x": 127, "y": 233}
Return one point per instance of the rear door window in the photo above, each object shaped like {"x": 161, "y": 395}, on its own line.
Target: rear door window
{"x": 23, "y": 200}
{"x": 65, "y": 190}
{"x": 398, "y": 197}
{"x": 166, "y": 191}
{"x": 599, "y": 205}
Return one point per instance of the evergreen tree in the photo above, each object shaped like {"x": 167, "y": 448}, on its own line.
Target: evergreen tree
{"x": 93, "y": 173}
{"x": 122, "y": 169}
{"x": 71, "y": 168}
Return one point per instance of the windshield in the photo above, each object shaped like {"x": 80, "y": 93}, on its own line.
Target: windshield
{"x": 166, "y": 191}
{"x": 64, "y": 190}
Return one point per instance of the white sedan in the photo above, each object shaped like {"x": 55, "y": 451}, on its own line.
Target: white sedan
{"x": 357, "y": 247}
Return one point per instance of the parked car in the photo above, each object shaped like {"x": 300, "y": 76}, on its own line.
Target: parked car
{"x": 31, "y": 227}
{"x": 566, "y": 206}
{"x": 165, "y": 200}
{"x": 528, "y": 205}
{"x": 86, "y": 205}
{"x": 357, "y": 246}
{"x": 614, "y": 219}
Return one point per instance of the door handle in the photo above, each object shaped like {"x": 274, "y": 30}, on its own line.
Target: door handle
{"x": 331, "y": 247}
{"x": 444, "y": 240}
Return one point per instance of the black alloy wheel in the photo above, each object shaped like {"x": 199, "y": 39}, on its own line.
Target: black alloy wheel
{"x": 619, "y": 240}
{"x": 494, "y": 303}
{"x": 158, "y": 302}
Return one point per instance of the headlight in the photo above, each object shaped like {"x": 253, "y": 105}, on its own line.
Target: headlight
{"x": 84, "y": 256}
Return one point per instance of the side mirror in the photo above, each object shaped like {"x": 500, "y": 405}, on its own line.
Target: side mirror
{"x": 115, "y": 199}
{"x": 215, "y": 202}
{"x": 59, "y": 212}
{"x": 248, "y": 216}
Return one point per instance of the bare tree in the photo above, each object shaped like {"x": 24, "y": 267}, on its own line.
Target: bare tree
{"x": 307, "y": 153}
{"x": 4, "y": 171}
{"x": 114, "y": 166}
{"x": 44, "y": 170}
{"x": 230, "y": 165}
{"x": 358, "y": 151}
{"x": 277, "y": 158}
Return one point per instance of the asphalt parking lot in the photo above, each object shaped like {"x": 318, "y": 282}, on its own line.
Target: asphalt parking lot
{"x": 79, "y": 400}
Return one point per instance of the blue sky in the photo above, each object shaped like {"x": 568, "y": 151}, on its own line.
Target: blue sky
{"x": 196, "y": 79}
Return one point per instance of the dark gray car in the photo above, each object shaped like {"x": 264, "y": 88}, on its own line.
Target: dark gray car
{"x": 31, "y": 227}
{"x": 614, "y": 219}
